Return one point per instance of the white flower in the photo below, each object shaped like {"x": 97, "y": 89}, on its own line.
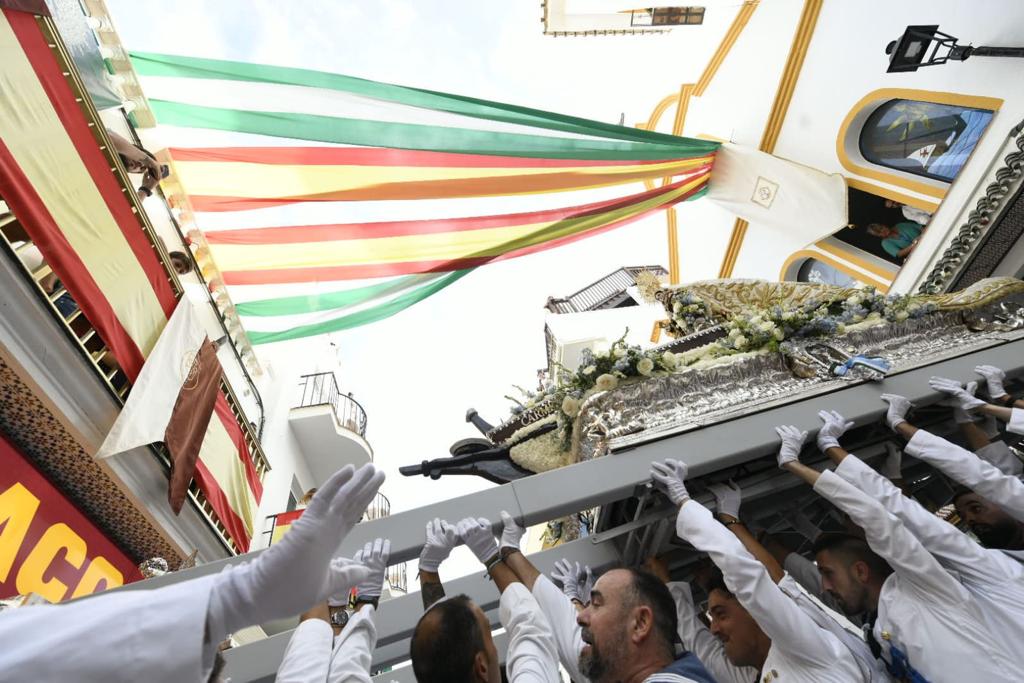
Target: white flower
{"x": 669, "y": 360}
{"x": 607, "y": 382}
{"x": 571, "y": 406}
{"x": 734, "y": 332}
{"x": 840, "y": 329}
{"x": 854, "y": 300}
{"x": 589, "y": 370}
{"x": 620, "y": 352}
{"x": 677, "y": 307}
{"x": 779, "y": 334}
{"x": 874, "y": 315}
{"x": 645, "y": 366}
{"x": 767, "y": 326}
{"x": 901, "y": 316}
{"x": 740, "y": 342}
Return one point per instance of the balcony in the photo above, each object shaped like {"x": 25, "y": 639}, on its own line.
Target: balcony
{"x": 329, "y": 425}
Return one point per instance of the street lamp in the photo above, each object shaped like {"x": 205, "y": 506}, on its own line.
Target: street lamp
{"x": 910, "y": 51}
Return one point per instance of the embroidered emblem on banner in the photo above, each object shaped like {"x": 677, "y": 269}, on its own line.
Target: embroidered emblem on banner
{"x": 764, "y": 192}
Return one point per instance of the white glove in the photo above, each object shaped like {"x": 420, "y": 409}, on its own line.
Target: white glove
{"x": 993, "y": 378}
{"x": 570, "y": 575}
{"x": 511, "y": 533}
{"x": 476, "y": 533}
{"x": 295, "y": 573}
{"x": 892, "y": 468}
{"x": 899, "y": 406}
{"x": 727, "y": 498}
{"x": 441, "y": 538}
{"x": 374, "y": 556}
{"x": 346, "y": 574}
{"x": 956, "y": 390}
{"x": 961, "y": 416}
{"x": 670, "y": 475}
{"x": 835, "y": 426}
{"x": 792, "y": 441}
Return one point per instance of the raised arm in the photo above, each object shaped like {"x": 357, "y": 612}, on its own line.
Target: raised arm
{"x": 780, "y": 618}
{"x": 442, "y": 537}
{"x": 728, "y": 498}
{"x": 353, "y": 649}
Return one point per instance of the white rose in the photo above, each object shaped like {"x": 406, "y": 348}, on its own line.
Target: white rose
{"x": 620, "y": 352}
{"x": 854, "y": 300}
{"x": 734, "y": 332}
{"x": 902, "y": 315}
{"x": 607, "y": 382}
{"x": 669, "y": 360}
{"x": 645, "y": 366}
{"x": 840, "y": 329}
{"x": 589, "y": 370}
{"x": 767, "y": 326}
{"x": 740, "y": 342}
{"x": 779, "y": 334}
{"x": 874, "y": 315}
{"x": 571, "y": 406}
{"x": 677, "y": 307}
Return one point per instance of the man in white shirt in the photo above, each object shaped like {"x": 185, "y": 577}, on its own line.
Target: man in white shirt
{"x": 758, "y": 624}
{"x": 318, "y": 651}
{"x": 452, "y": 642}
{"x": 171, "y": 634}
{"x": 959, "y": 464}
{"x": 926, "y": 624}
{"x": 994, "y": 580}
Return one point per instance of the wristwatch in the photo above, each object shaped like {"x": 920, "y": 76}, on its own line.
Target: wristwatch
{"x": 339, "y": 616}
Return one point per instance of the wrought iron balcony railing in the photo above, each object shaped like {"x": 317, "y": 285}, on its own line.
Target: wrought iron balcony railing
{"x": 321, "y": 389}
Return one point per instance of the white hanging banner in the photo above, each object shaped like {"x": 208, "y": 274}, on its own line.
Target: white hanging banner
{"x": 774, "y": 193}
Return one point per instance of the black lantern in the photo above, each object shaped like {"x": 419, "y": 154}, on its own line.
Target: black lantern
{"x": 912, "y": 49}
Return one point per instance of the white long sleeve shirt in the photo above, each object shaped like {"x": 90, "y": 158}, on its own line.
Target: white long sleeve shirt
{"x": 994, "y": 580}
{"x": 532, "y": 656}
{"x": 968, "y": 469}
{"x": 1016, "y": 423}
{"x": 141, "y": 635}
{"x": 800, "y": 650}
{"x": 872, "y": 669}
{"x": 353, "y": 648}
{"x": 999, "y": 455}
{"x": 805, "y": 573}
{"x": 308, "y": 657}
{"x": 922, "y": 609}
{"x": 561, "y": 615}
{"x": 696, "y": 638}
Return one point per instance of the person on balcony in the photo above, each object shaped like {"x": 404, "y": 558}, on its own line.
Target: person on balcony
{"x": 758, "y": 624}
{"x": 899, "y": 240}
{"x": 911, "y": 213}
{"x": 135, "y": 159}
{"x": 332, "y": 643}
{"x": 172, "y": 633}
{"x": 923, "y": 622}
{"x": 452, "y": 640}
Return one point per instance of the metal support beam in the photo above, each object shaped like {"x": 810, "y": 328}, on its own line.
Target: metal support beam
{"x": 397, "y": 618}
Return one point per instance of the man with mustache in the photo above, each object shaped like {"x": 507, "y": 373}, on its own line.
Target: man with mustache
{"x": 629, "y": 630}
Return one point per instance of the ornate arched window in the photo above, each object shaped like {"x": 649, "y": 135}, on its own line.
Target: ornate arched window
{"x": 814, "y": 270}
{"x": 922, "y": 138}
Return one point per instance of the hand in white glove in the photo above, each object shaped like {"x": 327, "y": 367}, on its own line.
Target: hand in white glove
{"x": 293, "y": 574}
{"x": 993, "y": 378}
{"x": 569, "y": 575}
{"x": 441, "y": 538}
{"x": 374, "y": 556}
{"x": 792, "y": 441}
{"x": 727, "y": 499}
{"x": 961, "y": 416}
{"x": 670, "y": 475}
{"x": 476, "y": 533}
{"x": 345, "y": 574}
{"x": 956, "y": 390}
{"x": 892, "y": 468}
{"x": 835, "y": 426}
{"x": 899, "y": 406}
{"x": 511, "y": 533}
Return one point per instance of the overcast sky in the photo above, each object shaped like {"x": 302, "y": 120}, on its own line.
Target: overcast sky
{"x": 417, "y": 372}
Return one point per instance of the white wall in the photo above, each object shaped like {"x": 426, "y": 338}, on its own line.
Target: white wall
{"x": 844, "y": 63}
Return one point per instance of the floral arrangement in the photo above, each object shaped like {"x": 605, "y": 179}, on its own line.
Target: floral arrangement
{"x": 752, "y": 331}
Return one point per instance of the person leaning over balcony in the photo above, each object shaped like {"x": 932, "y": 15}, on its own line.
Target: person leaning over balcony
{"x": 172, "y": 633}
{"x": 923, "y": 622}
{"x": 325, "y": 647}
{"x": 758, "y": 624}
{"x": 899, "y": 240}
{"x": 137, "y": 160}
{"x": 452, "y": 641}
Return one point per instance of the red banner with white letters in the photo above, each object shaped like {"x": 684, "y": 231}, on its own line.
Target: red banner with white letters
{"x": 47, "y": 546}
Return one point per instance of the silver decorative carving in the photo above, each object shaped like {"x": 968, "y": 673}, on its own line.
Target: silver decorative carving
{"x": 978, "y": 221}
{"x": 694, "y": 398}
